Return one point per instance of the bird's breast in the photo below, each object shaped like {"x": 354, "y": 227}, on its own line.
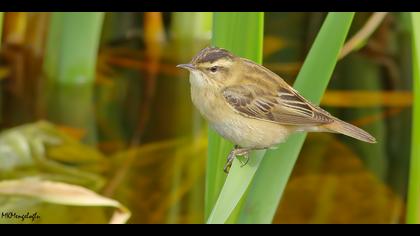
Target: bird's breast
{"x": 210, "y": 104}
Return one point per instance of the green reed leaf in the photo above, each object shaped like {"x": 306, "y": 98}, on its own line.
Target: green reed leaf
{"x": 242, "y": 34}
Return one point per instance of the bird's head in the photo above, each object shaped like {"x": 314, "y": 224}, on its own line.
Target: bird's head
{"x": 211, "y": 66}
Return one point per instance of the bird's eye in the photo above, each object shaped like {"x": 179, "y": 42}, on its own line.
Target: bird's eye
{"x": 213, "y": 69}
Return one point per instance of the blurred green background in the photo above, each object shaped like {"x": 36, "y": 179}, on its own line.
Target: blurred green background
{"x": 94, "y": 101}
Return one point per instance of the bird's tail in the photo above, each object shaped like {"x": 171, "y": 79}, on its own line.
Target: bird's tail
{"x": 339, "y": 126}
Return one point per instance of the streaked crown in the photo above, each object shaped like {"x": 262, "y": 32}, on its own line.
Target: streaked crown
{"x": 211, "y": 54}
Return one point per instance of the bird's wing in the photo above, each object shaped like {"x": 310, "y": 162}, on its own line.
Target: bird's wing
{"x": 283, "y": 106}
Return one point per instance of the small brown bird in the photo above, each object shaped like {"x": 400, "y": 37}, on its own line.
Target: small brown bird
{"x": 253, "y": 107}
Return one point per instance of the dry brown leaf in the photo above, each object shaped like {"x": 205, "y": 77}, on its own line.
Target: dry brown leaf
{"x": 63, "y": 194}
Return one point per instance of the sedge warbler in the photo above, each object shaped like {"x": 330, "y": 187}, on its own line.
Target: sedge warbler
{"x": 253, "y": 107}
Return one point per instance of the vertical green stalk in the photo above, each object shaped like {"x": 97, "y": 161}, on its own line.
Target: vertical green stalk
{"x": 69, "y": 66}
{"x": 72, "y": 47}
{"x": 242, "y": 34}
{"x": 273, "y": 174}
{"x": 190, "y": 32}
{"x": 413, "y": 203}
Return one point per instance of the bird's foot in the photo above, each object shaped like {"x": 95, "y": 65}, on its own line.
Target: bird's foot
{"x": 229, "y": 161}
{"x": 236, "y": 151}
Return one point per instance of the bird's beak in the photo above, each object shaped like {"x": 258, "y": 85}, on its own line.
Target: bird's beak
{"x": 186, "y": 66}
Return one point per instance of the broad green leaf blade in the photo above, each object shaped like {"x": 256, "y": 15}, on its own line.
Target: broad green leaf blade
{"x": 413, "y": 203}
{"x": 63, "y": 194}
{"x": 242, "y": 34}
{"x": 275, "y": 169}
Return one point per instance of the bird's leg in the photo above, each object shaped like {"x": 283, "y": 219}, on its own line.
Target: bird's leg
{"x": 236, "y": 151}
{"x": 229, "y": 160}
